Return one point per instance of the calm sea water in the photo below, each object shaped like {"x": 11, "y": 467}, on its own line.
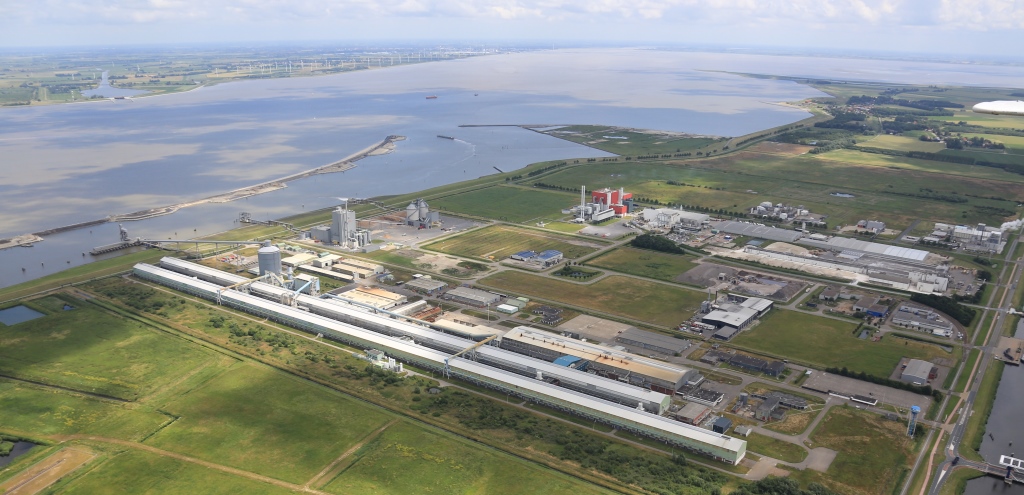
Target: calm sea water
{"x": 71, "y": 163}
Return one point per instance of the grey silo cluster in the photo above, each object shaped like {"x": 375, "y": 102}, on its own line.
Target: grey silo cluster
{"x": 269, "y": 257}
{"x": 418, "y": 214}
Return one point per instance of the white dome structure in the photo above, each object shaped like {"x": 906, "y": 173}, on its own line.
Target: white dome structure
{"x": 1000, "y": 107}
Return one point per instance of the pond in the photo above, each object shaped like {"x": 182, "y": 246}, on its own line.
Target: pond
{"x": 18, "y": 314}
{"x": 19, "y": 449}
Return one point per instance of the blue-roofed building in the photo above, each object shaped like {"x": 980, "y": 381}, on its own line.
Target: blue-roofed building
{"x": 524, "y": 255}
{"x": 549, "y": 257}
{"x": 571, "y": 362}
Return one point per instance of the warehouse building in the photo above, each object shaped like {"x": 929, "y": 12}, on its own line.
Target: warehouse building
{"x": 425, "y": 285}
{"x": 693, "y": 413}
{"x": 472, "y": 297}
{"x": 653, "y": 341}
{"x": 918, "y": 372}
{"x": 737, "y": 319}
{"x": 464, "y": 329}
{"x": 548, "y": 258}
{"x": 577, "y": 392}
{"x": 668, "y": 218}
{"x": 605, "y": 361}
{"x": 922, "y": 319}
{"x": 759, "y": 231}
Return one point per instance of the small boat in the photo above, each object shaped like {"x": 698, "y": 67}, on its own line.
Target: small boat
{"x": 445, "y": 137}
{"x": 431, "y": 97}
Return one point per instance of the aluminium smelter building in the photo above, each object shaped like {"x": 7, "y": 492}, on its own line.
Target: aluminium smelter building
{"x": 718, "y": 446}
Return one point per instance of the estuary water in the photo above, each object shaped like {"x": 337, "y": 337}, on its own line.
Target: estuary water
{"x": 77, "y": 162}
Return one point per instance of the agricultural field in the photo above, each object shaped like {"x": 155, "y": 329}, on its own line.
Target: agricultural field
{"x": 824, "y": 342}
{"x": 901, "y": 143}
{"x": 409, "y": 459}
{"x": 261, "y": 420}
{"x": 872, "y": 452}
{"x": 633, "y": 142}
{"x": 143, "y": 472}
{"x": 650, "y": 302}
{"x": 644, "y": 263}
{"x": 509, "y": 203}
{"x": 498, "y": 242}
{"x": 90, "y": 350}
{"x": 883, "y": 186}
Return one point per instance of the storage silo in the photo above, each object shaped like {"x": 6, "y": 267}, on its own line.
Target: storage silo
{"x": 412, "y": 213}
{"x": 269, "y": 259}
{"x": 424, "y": 210}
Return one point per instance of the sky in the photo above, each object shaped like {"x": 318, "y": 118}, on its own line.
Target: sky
{"x": 956, "y": 28}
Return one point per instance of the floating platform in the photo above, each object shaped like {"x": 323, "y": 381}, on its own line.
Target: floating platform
{"x": 1010, "y": 350}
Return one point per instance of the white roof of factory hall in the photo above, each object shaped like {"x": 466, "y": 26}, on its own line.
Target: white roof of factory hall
{"x": 732, "y": 318}
{"x": 473, "y": 294}
{"x": 1000, "y": 107}
{"x": 844, "y": 243}
{"x": 757, "y": 304}
{"x": 597, "y": 353}
{"x": 652, "y": 213}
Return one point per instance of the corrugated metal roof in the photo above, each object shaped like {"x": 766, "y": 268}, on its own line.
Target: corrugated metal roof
{"x": 753, "y": 230}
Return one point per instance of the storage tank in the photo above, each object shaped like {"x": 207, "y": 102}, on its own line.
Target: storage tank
{"x": 424, "y": 210}
{"x": 269, "y": 259}
{"x": 412, "y": 213}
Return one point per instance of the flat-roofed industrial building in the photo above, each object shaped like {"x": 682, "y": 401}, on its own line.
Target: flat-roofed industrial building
{"x": 426, "y": 285}
{"x": 374, "y": 296}
{"x": 653, "y": 341}
{"x": 630, "y": 368}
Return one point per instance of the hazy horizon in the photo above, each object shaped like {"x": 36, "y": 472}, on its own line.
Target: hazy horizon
{"x": 957, "y": 30}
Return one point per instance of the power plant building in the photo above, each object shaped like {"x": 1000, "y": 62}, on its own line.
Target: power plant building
{"x": 418, "y": 214}
{"x": 612, "y": 363}
{"x": 564, "y": 388}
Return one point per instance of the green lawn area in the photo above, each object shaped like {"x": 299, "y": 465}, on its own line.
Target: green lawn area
{"x": 91, "y": 350}
{"x": 142, "y": 472}
{"x": 776, "y": 449}
{"x": 826, "y": 342}
{"x": 902, "y": 143}
{"x": 872, "y": 452}
{"x": 983, "y": 402}
{"x": 43, "y": 411}
{"x": 649, "y": 302}
{"x": 409, "y": 459}
{"x": 652, "y": 264}
{"x": 509, "y": 203}
{"x": 627, "y": 142}
{"x": 500, "y": 241}
{"x": 262, "y": 420}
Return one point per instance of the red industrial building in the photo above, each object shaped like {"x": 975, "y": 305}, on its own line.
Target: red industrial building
{"x": 616, "y": 199}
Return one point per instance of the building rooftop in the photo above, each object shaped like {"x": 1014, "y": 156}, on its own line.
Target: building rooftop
{"x": 598, "y": 354}
{"x": 525, "y": 254}
{"x": 473, "y": 294}
{"x": 760, "y": 231}
{"x": 427, "y": 284}
{"x": 654, "y": 339}
{"x": 918, "y": 368}
{"x": 549, "y": 254}
{"x": 374, "y": 296}
{"x": 692, "y": 410}
{"x": 731, "y": 318}
{"x": 757, "y": 304}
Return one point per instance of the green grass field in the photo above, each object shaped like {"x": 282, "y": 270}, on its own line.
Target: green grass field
{"x": 641, "y": 300}
{"x": 143, "y": 472}
{"x": 644, "y": 263}
{"x": 41, "y": 411}
{"x": 262, "y": 420}
{"x": 901, "y": 143}
{"x": 410, "y": 459}
{"x": 872, "y": 452}
{"x": 826, "y": 342}
{"x": 509, "y": 203}
{"x": 776, "y": 449}
{"x": 499, "y": 241}
{"x": 91, "y": 350}
{"x": 961, "y": 381}
{"x": 81, "y": 273}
